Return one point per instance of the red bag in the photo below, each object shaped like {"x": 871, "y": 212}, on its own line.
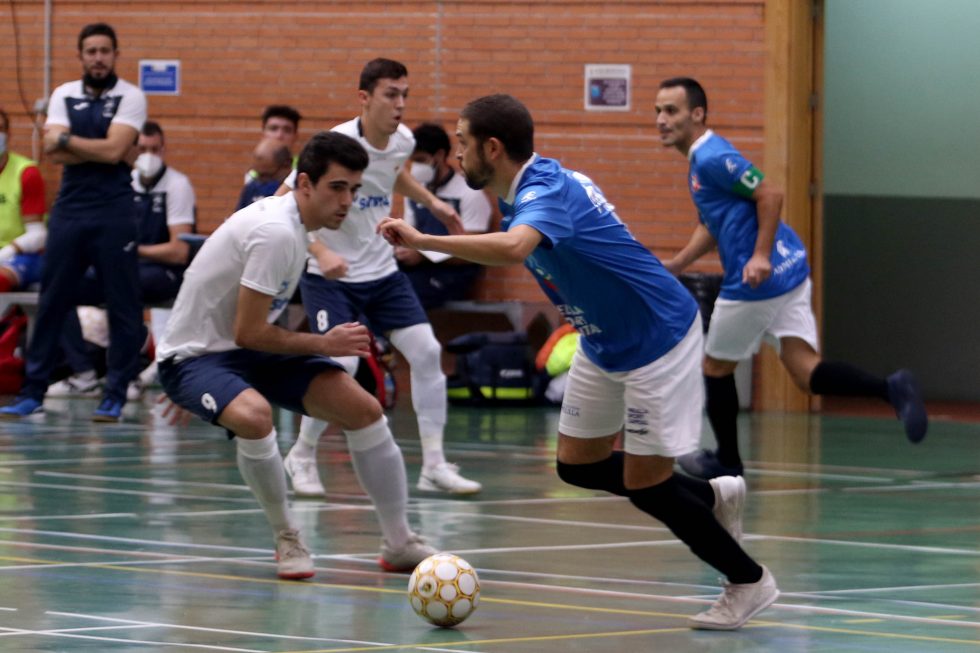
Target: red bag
{"x": 13, "y": 326}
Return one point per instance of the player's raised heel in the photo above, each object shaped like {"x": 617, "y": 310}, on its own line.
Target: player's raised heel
{"x": 729, "y": 503}
{"x": 737, "y": 604}
{"x": 705, "y": 464}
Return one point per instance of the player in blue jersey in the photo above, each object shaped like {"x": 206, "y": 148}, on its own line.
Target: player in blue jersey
{"x": 91, "y": 127}
{"x": 766, "y": 288}
{"x": 637, "y": 371}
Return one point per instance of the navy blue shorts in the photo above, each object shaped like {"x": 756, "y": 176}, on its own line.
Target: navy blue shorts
{"x": 387, "y": 304}
{"x": 206, "y": 384}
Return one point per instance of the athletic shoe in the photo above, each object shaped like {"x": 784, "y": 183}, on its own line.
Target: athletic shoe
{"x": 704, "y": 464}
{"x": 445, "y": 477}
{"x": 83, "y": 384}
{"x": 109, "y": 410}
{"x": 729, "y": 503}
{"x": 407, "y": 558}
{"x": 905, "y": 396}
{"x": 22, "y": 407}
{"x": 293, "y": 558}
{"x": 134, "y": 390}
{"x": 737, "y": 604}
{"x": 304, "y": 476}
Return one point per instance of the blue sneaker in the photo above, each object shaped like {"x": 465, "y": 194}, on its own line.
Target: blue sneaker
{"x": 905, "y": 396}
{"x": 109, "y": 410}
{"x": 22, "y": 407}
{"x": 705, "y": 464}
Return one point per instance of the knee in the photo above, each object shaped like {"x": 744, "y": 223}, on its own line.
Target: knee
{"x": 358, "y": 410}
{"x": 249, "y": 417}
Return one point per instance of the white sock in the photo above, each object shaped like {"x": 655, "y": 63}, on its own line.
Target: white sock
{"x": 420, "y": 348}
{"x": 261, "y": 466}
{"x": 430, "y": 434}
{"x": 380, "y": 469}
{"x": 310, "y": 430}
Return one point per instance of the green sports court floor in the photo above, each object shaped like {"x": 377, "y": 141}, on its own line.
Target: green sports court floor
{"x": 140, "y": 537}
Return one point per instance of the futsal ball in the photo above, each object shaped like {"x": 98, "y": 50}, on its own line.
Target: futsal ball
{"x": 444, "y": 590}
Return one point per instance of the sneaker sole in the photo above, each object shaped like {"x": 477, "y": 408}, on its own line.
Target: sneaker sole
{"x": 105, "y": 419}
{"x": 299, "y": 575}
{"x": 428, "y": 486}
{"x": 309, "y": 495}
{"x": 387, "y": 566}
{"x": 698, "y": 625}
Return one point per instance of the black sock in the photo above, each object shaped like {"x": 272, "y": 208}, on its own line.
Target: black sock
{"x": 845, "y": 380}
{"x": 700, "y": 488}
{"x": 606, "y": 475}
{"x": 694, "y": 524}
{"x": 722, "y": 407}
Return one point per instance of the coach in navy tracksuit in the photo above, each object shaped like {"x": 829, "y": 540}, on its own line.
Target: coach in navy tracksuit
{"x": 92, "y": 124}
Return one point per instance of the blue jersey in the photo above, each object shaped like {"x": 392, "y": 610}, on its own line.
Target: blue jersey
{"x": 90, "y": 184}
{"x": 721, "y": 182}
{"x": 628, "y": 308}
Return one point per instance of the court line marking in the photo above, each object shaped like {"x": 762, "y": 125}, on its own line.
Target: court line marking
{"x": 124, "y": 640}
{"x": 122, "y": 459}
{"x": 140, "y": 493}
{"x": 898, "y": 588}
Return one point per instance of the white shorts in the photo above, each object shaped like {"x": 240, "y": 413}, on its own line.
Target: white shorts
{"x": 660, "y": 403}
{"x": 738, "y": 327}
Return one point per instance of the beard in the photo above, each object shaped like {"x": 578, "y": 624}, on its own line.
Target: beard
{"x": 99, "y": 83}
{"x": 477, "y": 179}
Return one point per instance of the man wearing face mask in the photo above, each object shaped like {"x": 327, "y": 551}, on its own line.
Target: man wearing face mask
{"x": 22, "y": 230}
{"x": 436, "y": 277}
{"x": 91, "y": 126}
{"x": 165, "y": 205}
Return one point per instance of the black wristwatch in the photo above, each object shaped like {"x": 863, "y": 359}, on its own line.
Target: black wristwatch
{"x": 63, "y": 140}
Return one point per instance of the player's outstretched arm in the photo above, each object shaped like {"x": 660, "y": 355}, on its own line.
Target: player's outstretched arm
{"x": 499, "y": 248}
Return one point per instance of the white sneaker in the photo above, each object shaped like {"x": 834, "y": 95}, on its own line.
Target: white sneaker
{"x": 407, "y": 557}
{"x": 83, "y": 384}
{"x": 737, "y": 604}
{"x": 293, "y": 558}
{"x": 445, "y": 477}
{"x": 304, "y": 476}
{"x": 134, "y": 390}
{"x": 729, "y": 503}
{"x": 149, "y": 375}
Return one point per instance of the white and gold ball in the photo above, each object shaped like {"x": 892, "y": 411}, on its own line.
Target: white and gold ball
{"x": 444, "y": 590}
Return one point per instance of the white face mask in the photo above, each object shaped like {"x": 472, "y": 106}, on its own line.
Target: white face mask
{"x": 148, "y": 165}
{"x": 424, "y": 173}
{"x": 3, "y": 143}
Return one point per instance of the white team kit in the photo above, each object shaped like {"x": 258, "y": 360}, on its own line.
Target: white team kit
{"x": 369, "y": 257}
{"x": 261, "y": 247}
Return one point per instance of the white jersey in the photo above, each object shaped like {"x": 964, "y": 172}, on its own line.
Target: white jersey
{"x": 368, "y": 255}
{"x": 172, "y": 195}
{"x": 261, "y": 247}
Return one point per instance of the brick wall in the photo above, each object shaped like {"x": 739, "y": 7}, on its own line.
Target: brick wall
{"x": 238, "y": 57}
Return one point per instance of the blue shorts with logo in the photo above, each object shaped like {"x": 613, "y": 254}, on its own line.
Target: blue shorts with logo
{"x": 206, "y": 384}
{"x": 387, "y": 304}
{"x": 27, "y": 267}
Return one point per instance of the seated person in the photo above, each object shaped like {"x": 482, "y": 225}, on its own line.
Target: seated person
{"x": 280, "y": 122}
{"x": 438, "y": 278}
{"x": 271, "y": 163}
{"x": 165, "y": 203}
{"x": 22, "y": 208}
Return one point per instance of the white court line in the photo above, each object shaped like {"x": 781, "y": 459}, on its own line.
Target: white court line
{"x": 122, "y": 459}
{"x": 125, "y": 640}
{"x": 869, "y": 545}
{"x": 141, "y": 493}
{"x": 900, "y": 588}
{"x": 223, "y": 631}
{"x": 18, "y": 448}
{"x": 104, "y": 515}
{"x": 130, "y": 540}
{"x": 917, "y": 486}
{"x": 108, "y": 563}
{"x": 8, "y": 609}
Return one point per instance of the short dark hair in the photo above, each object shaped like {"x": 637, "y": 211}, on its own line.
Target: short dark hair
{"x": 696, "y": 97}
{"x": 6, "y": 119}
{"x": 281, "y": 111}
{"x": 330, "y": 147}
{"x": 380, "y": 68}
{"x": 430, "y": 138}
{"x": 152, "y": 128}
{"x": 98, "y": 29}
{"x": 502, "y": 117}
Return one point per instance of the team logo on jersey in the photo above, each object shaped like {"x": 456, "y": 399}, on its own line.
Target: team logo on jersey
{"x": 80, "y": 106}
{"x": 208, "y": 402}
{"x": 695, "y": 184}
{"x": 528, "y": 197}
{"x": 782, "y": 249}
{"x": 730, "y": 166}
